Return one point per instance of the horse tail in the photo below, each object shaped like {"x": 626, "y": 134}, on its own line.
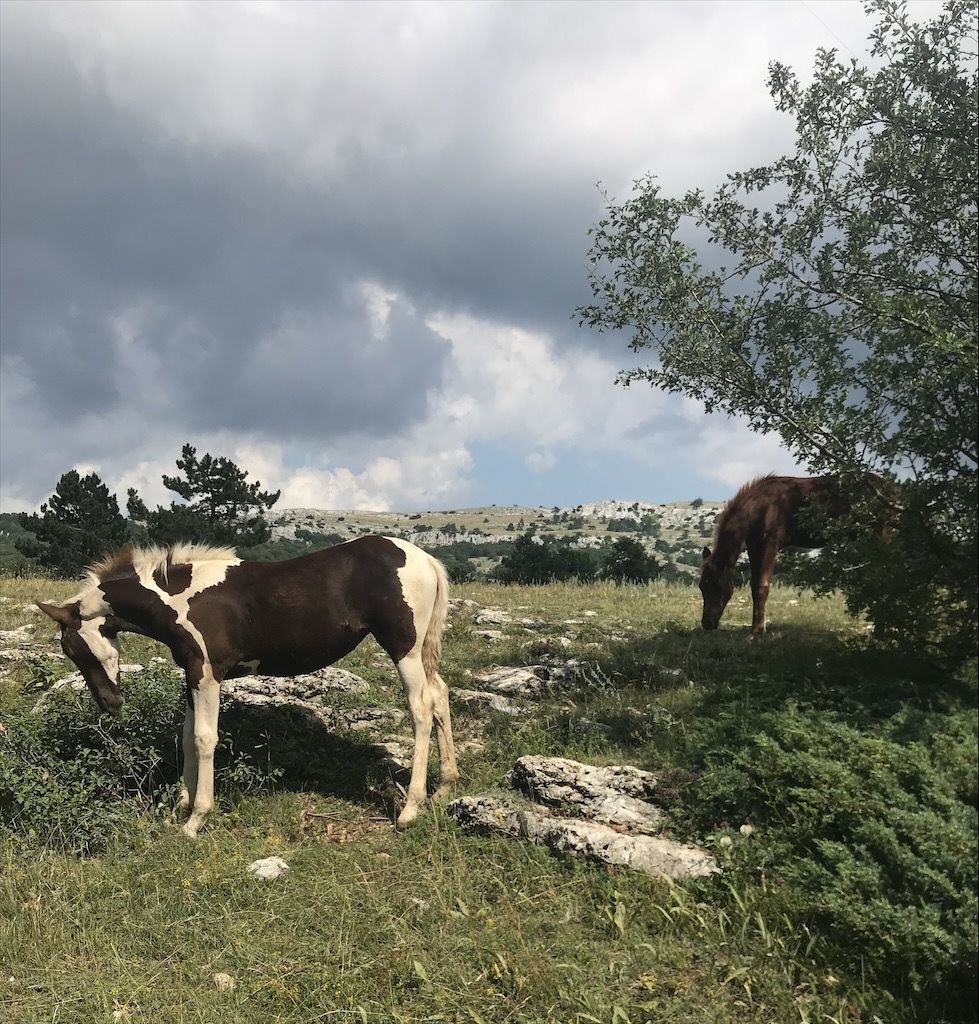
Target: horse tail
{"x": 432, "y": 644}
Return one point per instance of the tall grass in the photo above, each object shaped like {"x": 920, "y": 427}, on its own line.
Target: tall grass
{"x": 834, "y": 781}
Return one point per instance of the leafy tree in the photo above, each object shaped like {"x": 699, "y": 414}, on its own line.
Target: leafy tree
{"x": 219, "y": 505}
{"x": 831, "y": 296}
{"x": 627, "y": 561}
{"x": 77, "y": 524}
{"x": 529, "y": 561}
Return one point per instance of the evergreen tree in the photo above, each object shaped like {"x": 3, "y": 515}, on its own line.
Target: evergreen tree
{"x": 219, "y": 505}
{"x": 75, "y": 526}
{"x": 627, "y": 561}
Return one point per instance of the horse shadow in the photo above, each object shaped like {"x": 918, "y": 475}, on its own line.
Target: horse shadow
{"x": 852, "y": 678}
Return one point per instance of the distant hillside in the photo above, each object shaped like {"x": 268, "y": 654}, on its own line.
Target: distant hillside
{"x": 676, "y": 531}
{"x": 11, "y": 560}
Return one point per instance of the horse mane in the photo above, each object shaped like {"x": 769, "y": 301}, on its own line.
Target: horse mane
{"x": 130, "y": 558}
{"x": 725, "y": 528}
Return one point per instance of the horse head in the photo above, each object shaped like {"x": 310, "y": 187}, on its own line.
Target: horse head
{"x": 717, "y": 587}
{"x": 88, "y": 638}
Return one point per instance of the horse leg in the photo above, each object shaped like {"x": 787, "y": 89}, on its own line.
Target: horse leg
{"x": 449, "y": 774}
{"x": 189, "y": 788}
{"x": 762, "y": 567}
{"x": 206, "y": 697}
{"x": 421, "y": 704}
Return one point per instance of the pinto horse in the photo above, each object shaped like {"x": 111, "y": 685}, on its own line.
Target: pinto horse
{"x": 222, "y": 617}
{"x": 762, "y": 517}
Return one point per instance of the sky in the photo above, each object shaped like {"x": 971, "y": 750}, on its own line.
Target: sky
{"x": 343, "y": 243}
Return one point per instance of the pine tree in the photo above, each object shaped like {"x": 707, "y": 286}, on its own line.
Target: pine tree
{"x": 77, "y": 524}
{"x": 219, "y": 505}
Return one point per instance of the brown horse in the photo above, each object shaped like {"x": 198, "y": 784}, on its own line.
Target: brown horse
{"x": 762, "y": 517}
{"x": 222, "y": 617}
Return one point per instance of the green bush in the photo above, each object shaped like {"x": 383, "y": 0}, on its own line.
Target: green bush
{"x": 554, "y": 559}
{"x": 71, "y": 778}
{"x": 869, "y": 829}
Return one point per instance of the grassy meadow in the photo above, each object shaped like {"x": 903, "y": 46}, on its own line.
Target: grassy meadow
{"x": 848, "y": 899}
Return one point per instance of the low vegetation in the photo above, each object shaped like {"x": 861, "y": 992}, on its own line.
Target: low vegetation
{"x": 834, "y": 781}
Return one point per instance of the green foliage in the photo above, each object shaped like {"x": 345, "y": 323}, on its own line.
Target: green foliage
{"x": 13, "y": 561}
{"x": 831, "y": 296}
{"x": 529, "y": 561}
{"x": 72, "y": 779}
{"x": 868, "y": 827}
{"x": 220, "y": 506}
{"x": 77, "y": 524}
{"x": 459, "y": 568}
{"x": 627, "y": 561}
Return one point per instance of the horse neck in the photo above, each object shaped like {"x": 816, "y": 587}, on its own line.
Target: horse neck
{"x": 729, "y": 541}
{"x": 138, "y": 610}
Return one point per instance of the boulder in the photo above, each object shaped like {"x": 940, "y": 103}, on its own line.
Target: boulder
{"x": 531, "y": 680}
{"x": 616, "y": 795}
{"x": 492, "y": 617}
{"x": 291, "y": 721}
{"x": 481, "y": 698}
{"x": 268, "y": 868}
{"x": 652, "y": 855}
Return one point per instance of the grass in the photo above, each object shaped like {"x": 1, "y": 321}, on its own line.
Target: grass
{"x": 437, "y": 925}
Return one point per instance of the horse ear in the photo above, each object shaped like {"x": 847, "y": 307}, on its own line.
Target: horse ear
{"x": 706, "y": 553}
{"x": 64, "y": 615}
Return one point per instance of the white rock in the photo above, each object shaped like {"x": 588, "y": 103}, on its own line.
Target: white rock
{"x": 268, "y": 868}
{"x": 492, "y": 617}
{"x": 497, "y": 701}
{"x": 652, "y": 855}
{"x": 614, "y": 794}
{"x": 225, "y": 982}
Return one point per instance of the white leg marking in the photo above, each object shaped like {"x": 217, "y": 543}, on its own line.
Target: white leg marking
{"x": 421, "y": 706}
{"x": 189, "y": 790}
{"x": 206, "y": 704}
{"x": 449, "y": 775}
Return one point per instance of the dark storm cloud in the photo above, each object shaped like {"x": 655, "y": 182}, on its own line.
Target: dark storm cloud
{"x": 192, "y": 199}
{"x": 230, "y": 289}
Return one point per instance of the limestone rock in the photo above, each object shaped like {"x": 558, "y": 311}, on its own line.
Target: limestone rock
{"x": 652, "y": 855}
{"x": 477, "y": 698}
{"x": 616, "y": 795}
{"x": 288, "y": 716}
{"x": 492, "y": 617}
{"x": 20, "y": 635}
{"x": 268, "y": 869}
{"x": 310, "y": 686}
{"x": 531, "y": 681}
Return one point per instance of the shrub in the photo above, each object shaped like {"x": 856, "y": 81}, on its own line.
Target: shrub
{"x": 71, "y": 779}
{"x": 870, "y": 831}
{"x": 553, "y": 559}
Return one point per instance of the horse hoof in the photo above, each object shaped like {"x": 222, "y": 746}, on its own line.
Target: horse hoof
{"x": 406, "y": 817}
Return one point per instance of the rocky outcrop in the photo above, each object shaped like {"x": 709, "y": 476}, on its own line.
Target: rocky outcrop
{"x": 528, "y": 681}
{"x": 602, "y": 813}
{"x": 615, "y": 795}
{"x": 652, "y": 855}
{"x": 292, "y": 719}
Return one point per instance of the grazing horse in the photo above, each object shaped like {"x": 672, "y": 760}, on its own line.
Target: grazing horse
{"x": 762, "y": 517}
{"x": 222, "y": 617}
